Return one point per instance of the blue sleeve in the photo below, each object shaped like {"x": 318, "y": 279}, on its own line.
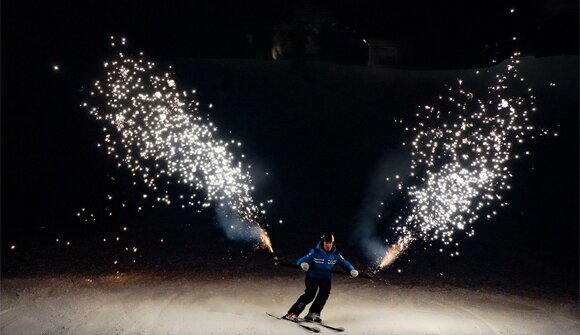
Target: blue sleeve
{"x": 308, "y": 258}
{"x": 344, "y": 263}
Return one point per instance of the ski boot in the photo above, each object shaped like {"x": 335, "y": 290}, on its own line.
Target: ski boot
{"x": 291, "y": 317}
{"x": 314, "y": 317}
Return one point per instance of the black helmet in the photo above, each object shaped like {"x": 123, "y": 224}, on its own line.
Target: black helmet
{"x": 328, "y": 238}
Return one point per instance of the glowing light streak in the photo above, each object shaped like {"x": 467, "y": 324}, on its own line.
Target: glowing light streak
{"x": 266, "y": 240}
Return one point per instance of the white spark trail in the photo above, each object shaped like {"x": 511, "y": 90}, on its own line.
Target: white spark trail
{"x": 156, "y": 131}
{"x": 460, "y": 160}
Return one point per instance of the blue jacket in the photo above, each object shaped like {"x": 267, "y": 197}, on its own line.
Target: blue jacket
{"x": 322, "y": 262}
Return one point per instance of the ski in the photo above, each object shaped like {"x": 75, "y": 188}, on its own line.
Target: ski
{"x": 310, "y": 328}
{"x": 335, "y": 328}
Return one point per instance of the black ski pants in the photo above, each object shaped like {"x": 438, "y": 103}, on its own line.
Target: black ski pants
{"x": 312, "y": 285}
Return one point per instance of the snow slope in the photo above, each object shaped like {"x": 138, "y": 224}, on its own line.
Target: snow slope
{"x": 138, "y": 303}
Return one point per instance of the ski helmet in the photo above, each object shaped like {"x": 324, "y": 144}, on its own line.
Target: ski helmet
{"x": 328, "y": 238}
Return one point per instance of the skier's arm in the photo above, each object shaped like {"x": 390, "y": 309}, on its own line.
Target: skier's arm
{"x": 306, "y": 259}
{"x": 344, "y": 263}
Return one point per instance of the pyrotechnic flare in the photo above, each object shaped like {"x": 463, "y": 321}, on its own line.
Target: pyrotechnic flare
{"x": 155, "y": 130}
{"x": 461, "y": 151}
{"x": 265, "y": 239}
{"x": 395, "y": 250}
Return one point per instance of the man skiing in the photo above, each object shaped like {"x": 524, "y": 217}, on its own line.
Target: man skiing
{"x": 318, "y": 263}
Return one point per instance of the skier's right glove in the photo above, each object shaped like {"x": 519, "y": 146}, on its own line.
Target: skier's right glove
{"x": 353, "y": 273}
{"x": 305, "y": 266}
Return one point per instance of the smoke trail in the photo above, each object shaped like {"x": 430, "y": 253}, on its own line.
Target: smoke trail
{"x": 377, "y": 200}
{"x": 234, "y": 227}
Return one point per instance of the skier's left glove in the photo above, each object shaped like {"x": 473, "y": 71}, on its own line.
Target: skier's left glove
{"x": 353, "y": 273}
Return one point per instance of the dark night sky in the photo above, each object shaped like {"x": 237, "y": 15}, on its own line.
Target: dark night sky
{"x": 51, "y": 168}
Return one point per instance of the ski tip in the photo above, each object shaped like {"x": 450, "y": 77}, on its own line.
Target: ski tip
{"x": 274, "y": 316}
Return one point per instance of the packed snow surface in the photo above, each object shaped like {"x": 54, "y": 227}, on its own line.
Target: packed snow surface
{"x": 141, "y": 303}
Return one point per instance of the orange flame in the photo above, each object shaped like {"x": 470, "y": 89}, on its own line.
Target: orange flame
{"x": 395, "y": 250}
{"x": 266, "y": 240}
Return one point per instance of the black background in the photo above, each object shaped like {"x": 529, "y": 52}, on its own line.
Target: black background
{"x": 320, "y": 169}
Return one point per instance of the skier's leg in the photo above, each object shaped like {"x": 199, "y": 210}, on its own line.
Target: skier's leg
{"x": 306, "y": 298}
{"x": 322, "y": 296}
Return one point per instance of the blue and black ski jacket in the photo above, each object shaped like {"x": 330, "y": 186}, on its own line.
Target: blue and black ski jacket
{"x": 321, "y": 262}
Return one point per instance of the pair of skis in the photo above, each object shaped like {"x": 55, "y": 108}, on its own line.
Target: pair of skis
{"x": 306, "y": 324}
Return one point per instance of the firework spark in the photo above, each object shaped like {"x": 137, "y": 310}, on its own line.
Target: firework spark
{"x": 461, "y": 151}
{"x": 155, "y": 130}
{"x": 266, "y": 242}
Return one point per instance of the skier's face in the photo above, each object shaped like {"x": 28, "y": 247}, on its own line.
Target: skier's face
{"x": 327, "y": 246}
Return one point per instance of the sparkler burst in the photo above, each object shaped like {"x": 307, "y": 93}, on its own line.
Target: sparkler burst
{"x": 461, "y": 150}
{"x": 155, "y": 130}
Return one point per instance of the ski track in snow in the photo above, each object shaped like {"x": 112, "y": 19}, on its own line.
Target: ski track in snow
{"x": 155, "y": 304}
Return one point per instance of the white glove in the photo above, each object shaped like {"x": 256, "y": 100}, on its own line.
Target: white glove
{"x": 353, "y": 273}
{"x": 305, "y": 266}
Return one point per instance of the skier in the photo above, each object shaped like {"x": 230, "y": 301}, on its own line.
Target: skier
{"x": 318, "y": 263}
